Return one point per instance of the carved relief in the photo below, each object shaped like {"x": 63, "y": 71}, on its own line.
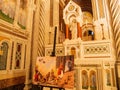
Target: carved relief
{"x": 101, "y": 49}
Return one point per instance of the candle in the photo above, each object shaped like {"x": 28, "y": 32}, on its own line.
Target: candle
{"x": 86, "y": 22}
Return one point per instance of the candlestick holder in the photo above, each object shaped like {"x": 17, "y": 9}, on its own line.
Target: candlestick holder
{"x": 102, "y": 31}
{"x": 49, "y": 37}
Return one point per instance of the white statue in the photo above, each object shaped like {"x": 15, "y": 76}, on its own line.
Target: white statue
{"x": 73, "y": 29}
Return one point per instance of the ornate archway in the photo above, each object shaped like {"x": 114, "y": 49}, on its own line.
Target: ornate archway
{"x": 72, "y": 16}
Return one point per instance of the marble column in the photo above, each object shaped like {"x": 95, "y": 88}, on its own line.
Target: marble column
{"x": 28, "y": 48}
{"x": 79, "y": 30}
{"x": 67, "y": 32}
{"x": 95, "y": 9}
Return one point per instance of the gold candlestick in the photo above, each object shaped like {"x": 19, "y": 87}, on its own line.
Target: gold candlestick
{"x": 102, "y": 31}
{"x": 49, "y": 37}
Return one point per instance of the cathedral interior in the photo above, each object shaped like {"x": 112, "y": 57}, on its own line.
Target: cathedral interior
{"x": 87, "y": 29}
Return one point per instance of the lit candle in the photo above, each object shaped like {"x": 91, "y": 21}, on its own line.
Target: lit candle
{"x": 86, "y": 22}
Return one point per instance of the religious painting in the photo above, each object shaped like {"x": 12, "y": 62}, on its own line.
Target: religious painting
{"x": 7, "y": 10}
{"x": 108, "y": 81}
{"x": 54, "y": 71}
{"x": 22, "y": 18}
{"x": 84, "y": 80}
{"x": 65, "y": 71}
{"x": 93, "y": 85}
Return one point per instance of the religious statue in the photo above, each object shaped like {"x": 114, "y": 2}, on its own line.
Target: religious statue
{"x": 73, "y": 28}
{"x": 84, "y": 80}
{"x": 93, "y": 80}
{"x": 68, "y": 65}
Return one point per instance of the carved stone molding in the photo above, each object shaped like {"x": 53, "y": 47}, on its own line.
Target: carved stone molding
{"x": 11, "y": 29}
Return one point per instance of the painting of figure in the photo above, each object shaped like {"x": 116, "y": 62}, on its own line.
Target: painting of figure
{"x": 84, "y": 80}
{"x": 93, "y": 80}
{"x": 66, "y": 65}
{"x": 7, "y": 10}
{"x": 56, "y": 71}
{"x": 108, "y": 77}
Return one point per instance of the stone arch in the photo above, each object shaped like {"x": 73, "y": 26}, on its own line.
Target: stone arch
{"x": 88, "y": 35}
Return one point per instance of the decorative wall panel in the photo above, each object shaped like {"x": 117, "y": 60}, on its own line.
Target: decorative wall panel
{"x": 18, "y": 56}
{"x": 98, "y": 49}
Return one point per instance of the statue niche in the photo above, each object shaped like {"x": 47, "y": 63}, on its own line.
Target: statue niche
{"x": 72, "y": 15}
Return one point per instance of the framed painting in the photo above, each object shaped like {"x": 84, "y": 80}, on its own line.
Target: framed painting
{"x": 54, "y": 71}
